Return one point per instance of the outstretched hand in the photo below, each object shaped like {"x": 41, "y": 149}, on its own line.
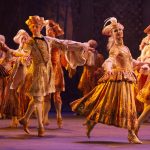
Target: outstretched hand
{"x": 91, "y": 49}
{"x": 109, "y": 72}
{"x": 86, "y": 44}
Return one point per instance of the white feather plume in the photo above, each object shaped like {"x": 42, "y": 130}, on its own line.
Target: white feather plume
{"x": 113, "y": 20}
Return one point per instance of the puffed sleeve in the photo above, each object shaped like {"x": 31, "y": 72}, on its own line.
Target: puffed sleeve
{"x": 75, "y": 53}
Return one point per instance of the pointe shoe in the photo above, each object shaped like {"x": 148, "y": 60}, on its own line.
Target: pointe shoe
{"x": 89, "y": 126}
{"x": 25, "y": 125}
{"x": 132, "y": 138}
{"x": 41, "y": 132}
{"x": 59, "y": 122}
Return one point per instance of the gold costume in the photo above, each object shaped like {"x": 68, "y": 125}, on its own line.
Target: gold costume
{"x": 43, "y": 78}
{"x": 112, "y": 100}
{"x": 88, "y": 78}
{"x": 144, "y": 93}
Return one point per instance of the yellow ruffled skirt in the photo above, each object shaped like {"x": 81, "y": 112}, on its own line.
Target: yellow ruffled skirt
{"x": 112, "y": 102}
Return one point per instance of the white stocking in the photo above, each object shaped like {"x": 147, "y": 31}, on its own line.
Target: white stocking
{"x": 46, "y": 108}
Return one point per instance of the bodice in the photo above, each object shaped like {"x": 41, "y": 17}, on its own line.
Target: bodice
{"x": 122, "y": 58}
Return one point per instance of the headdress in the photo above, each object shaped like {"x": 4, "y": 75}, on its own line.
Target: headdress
{"x": 107, "y": 29}
{"x": 50, "y": 24}
{"x": 35, "y": 20}
{"x": 19, "y": 35}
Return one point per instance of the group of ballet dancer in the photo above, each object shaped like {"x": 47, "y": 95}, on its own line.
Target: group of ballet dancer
{"x": 32, "y": 74}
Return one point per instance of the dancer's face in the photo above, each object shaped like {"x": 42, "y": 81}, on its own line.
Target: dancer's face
{"x": 117, "y": 33}
{"x": 24, "y": 39}
{"x": 50, "y": 32}
{"x": 35, "y": 28}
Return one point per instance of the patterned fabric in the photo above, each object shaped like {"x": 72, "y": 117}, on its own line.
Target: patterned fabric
{"x": 112, "y": 102}
{"x": 3, "y": 72}
{"x": 7, "y": 63}
{"x": 43, "y": 77}
{"x": 19, "y": 71}
{"x": 119, "y": 75}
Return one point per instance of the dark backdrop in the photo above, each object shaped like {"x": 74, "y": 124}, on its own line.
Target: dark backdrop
{"x": 81, "y": 20}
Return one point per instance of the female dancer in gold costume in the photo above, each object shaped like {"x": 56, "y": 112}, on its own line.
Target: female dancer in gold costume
{"x": 112, "y": 101}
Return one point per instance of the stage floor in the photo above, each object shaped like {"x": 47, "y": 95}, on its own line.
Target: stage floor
{"x": 70, "y": 137}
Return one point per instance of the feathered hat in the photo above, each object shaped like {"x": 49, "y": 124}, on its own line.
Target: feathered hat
{"x": 19, "y": 35}
{"x": 107, "y": 29}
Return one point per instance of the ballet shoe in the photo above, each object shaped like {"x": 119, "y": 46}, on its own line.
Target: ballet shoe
{"x": 23, "y": 122}
{"x": 132, "y": 138}
{"x": 89, "y": 126}
{"x": 41, "y": 132}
